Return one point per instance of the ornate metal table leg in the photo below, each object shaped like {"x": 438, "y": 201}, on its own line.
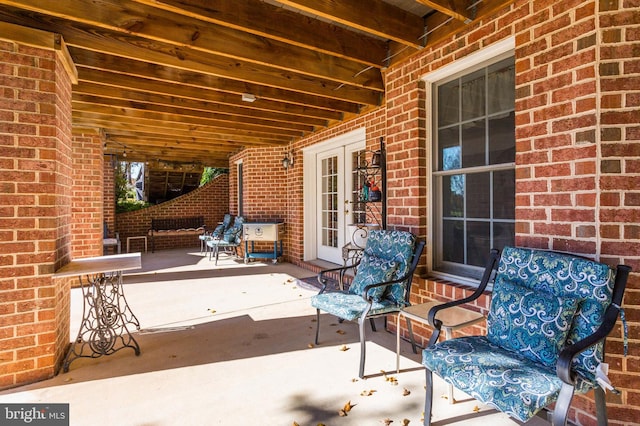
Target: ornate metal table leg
{"x": 105, "y": 319}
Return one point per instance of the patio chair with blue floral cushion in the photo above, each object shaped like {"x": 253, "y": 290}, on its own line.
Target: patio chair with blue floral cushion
{"x": 381, "y": 285}
{"x": 217, "y": 233}
{"x": 548, "y": 319}
{"x": 229, "y": 242}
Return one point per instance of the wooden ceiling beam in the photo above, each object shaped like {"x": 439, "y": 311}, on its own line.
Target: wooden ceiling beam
{"x": 133, "y": 47}
{"x": 152, "y": 23}
{"x": 107, "y": 94}
{"x": 96, "y": 104}
{"x": 111, "y": 123}
{"x": 111, "y": 70}
{"x": 373, "y": 16}
{"x": 170, "y": 120}
{"x": 274, "y": 22}
{"x": 457, "y": 9}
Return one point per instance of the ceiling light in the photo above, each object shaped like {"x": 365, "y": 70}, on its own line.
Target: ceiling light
{"x": 248, "y": 97}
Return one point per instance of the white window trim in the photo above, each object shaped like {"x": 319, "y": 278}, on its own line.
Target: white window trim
{"x": 503, "y": 47}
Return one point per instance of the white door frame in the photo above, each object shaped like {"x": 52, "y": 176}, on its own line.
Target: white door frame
{"x": 310, "y": 198}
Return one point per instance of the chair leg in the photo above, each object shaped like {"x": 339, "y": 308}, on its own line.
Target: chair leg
{"x": 373, "y": 324}
{"x": 428, "y": 399}
{"x": 413, "y": 341}
{"x": 363, "y": 354}
{"x": 317, "y": 324}
{"x": 601, "y": 407}
{"x": 561, "y": 411}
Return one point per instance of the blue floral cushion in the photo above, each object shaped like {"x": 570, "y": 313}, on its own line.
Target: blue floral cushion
{"x": 218, "y": 232}
{"x": 350, "y": 306}
{"x": 533, "y": 323}
{"x": 565, "y": 275}
{"x": 372, "y": 270}
{"x": 397, "y": 246}
{"x": 495, "y": 376}
{"x": 233, "y": 235}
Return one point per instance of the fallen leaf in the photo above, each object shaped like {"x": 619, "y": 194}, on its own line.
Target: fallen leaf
{"x": 347, "y": 407}
{"x": 344, "y": 348}
{"x": 354, "y": 380}
{"x": 341, "y": 332}
{"x": 387, "y": 422}
{"x": 368, "y": 392}
{"x": 392, "y": 380}
{"x": 342, "y": 413}
{"x": 310, "y": 345}
{"x": 406, "y": 392}
{"x": 295, "y": 424}
{"x": 476, "y": 409}
{"x": 405, "y": 422}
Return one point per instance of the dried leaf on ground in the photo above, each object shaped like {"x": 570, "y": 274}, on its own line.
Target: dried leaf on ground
{"x": 348, "y": 406}
{"x": 344, "y": 348}
{"x": 406, "y": 392}
{"x": 368, "y": 392}
{"x": 341, "y": 331}
{"x": 310, "y": 345}
{"x": 387, "y": 422}
{"x": 405, "y": 422}
{"x": 476, "y": 409}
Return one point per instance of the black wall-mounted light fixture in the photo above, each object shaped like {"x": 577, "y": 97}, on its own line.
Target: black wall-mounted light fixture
{"x": 287, "y": 161}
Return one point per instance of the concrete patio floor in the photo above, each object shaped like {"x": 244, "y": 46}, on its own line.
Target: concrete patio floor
{"x": 233, "y": 345}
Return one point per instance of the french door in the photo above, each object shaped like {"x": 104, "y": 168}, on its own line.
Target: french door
{"x": 336, "y": 192}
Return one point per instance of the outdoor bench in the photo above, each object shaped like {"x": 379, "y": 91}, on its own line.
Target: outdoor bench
{"x": 173, "y": 227}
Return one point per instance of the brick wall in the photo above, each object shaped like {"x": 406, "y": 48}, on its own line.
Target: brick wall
{"x": 210, "y": 201}
{"x": 265, "y": 193}
{"x": 88, "y": 199}
{"x": 35, "y": 207}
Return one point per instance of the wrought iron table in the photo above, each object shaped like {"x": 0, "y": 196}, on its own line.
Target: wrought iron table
{"x": 106, "y": 315}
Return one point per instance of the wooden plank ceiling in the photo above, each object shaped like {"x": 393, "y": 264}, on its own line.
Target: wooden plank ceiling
{"x": 192, "y": 81}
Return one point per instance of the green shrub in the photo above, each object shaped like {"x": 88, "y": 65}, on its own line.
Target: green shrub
{"x": 129, "y": 205}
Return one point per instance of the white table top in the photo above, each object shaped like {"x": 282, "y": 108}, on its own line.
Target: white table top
{"x": 96, "y": 265}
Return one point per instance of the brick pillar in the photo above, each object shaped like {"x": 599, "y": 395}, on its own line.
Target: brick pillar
{"x": 36, "y": 74}
{"x": 109, "y": 194}
{"x": 87, "y": 214}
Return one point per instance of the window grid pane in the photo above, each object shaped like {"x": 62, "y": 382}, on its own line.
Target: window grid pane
{"x": 329, "y": 196}
{"x": 475, "y": 130}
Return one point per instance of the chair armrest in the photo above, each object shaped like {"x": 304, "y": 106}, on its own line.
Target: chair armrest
{"x": 563, "y": 365}
{"x": 565, "y": 358}
{"x": 492, "y": 263}
{"x": 341, "y": 270}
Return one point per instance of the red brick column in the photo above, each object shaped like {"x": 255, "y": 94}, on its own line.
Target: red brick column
{"x": 36, "y": 74}
{"x": 87, "y": 214}
{"x": 109, "y": 191}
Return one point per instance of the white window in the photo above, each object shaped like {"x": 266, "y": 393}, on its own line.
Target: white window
{"x": 473, "y": 171}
